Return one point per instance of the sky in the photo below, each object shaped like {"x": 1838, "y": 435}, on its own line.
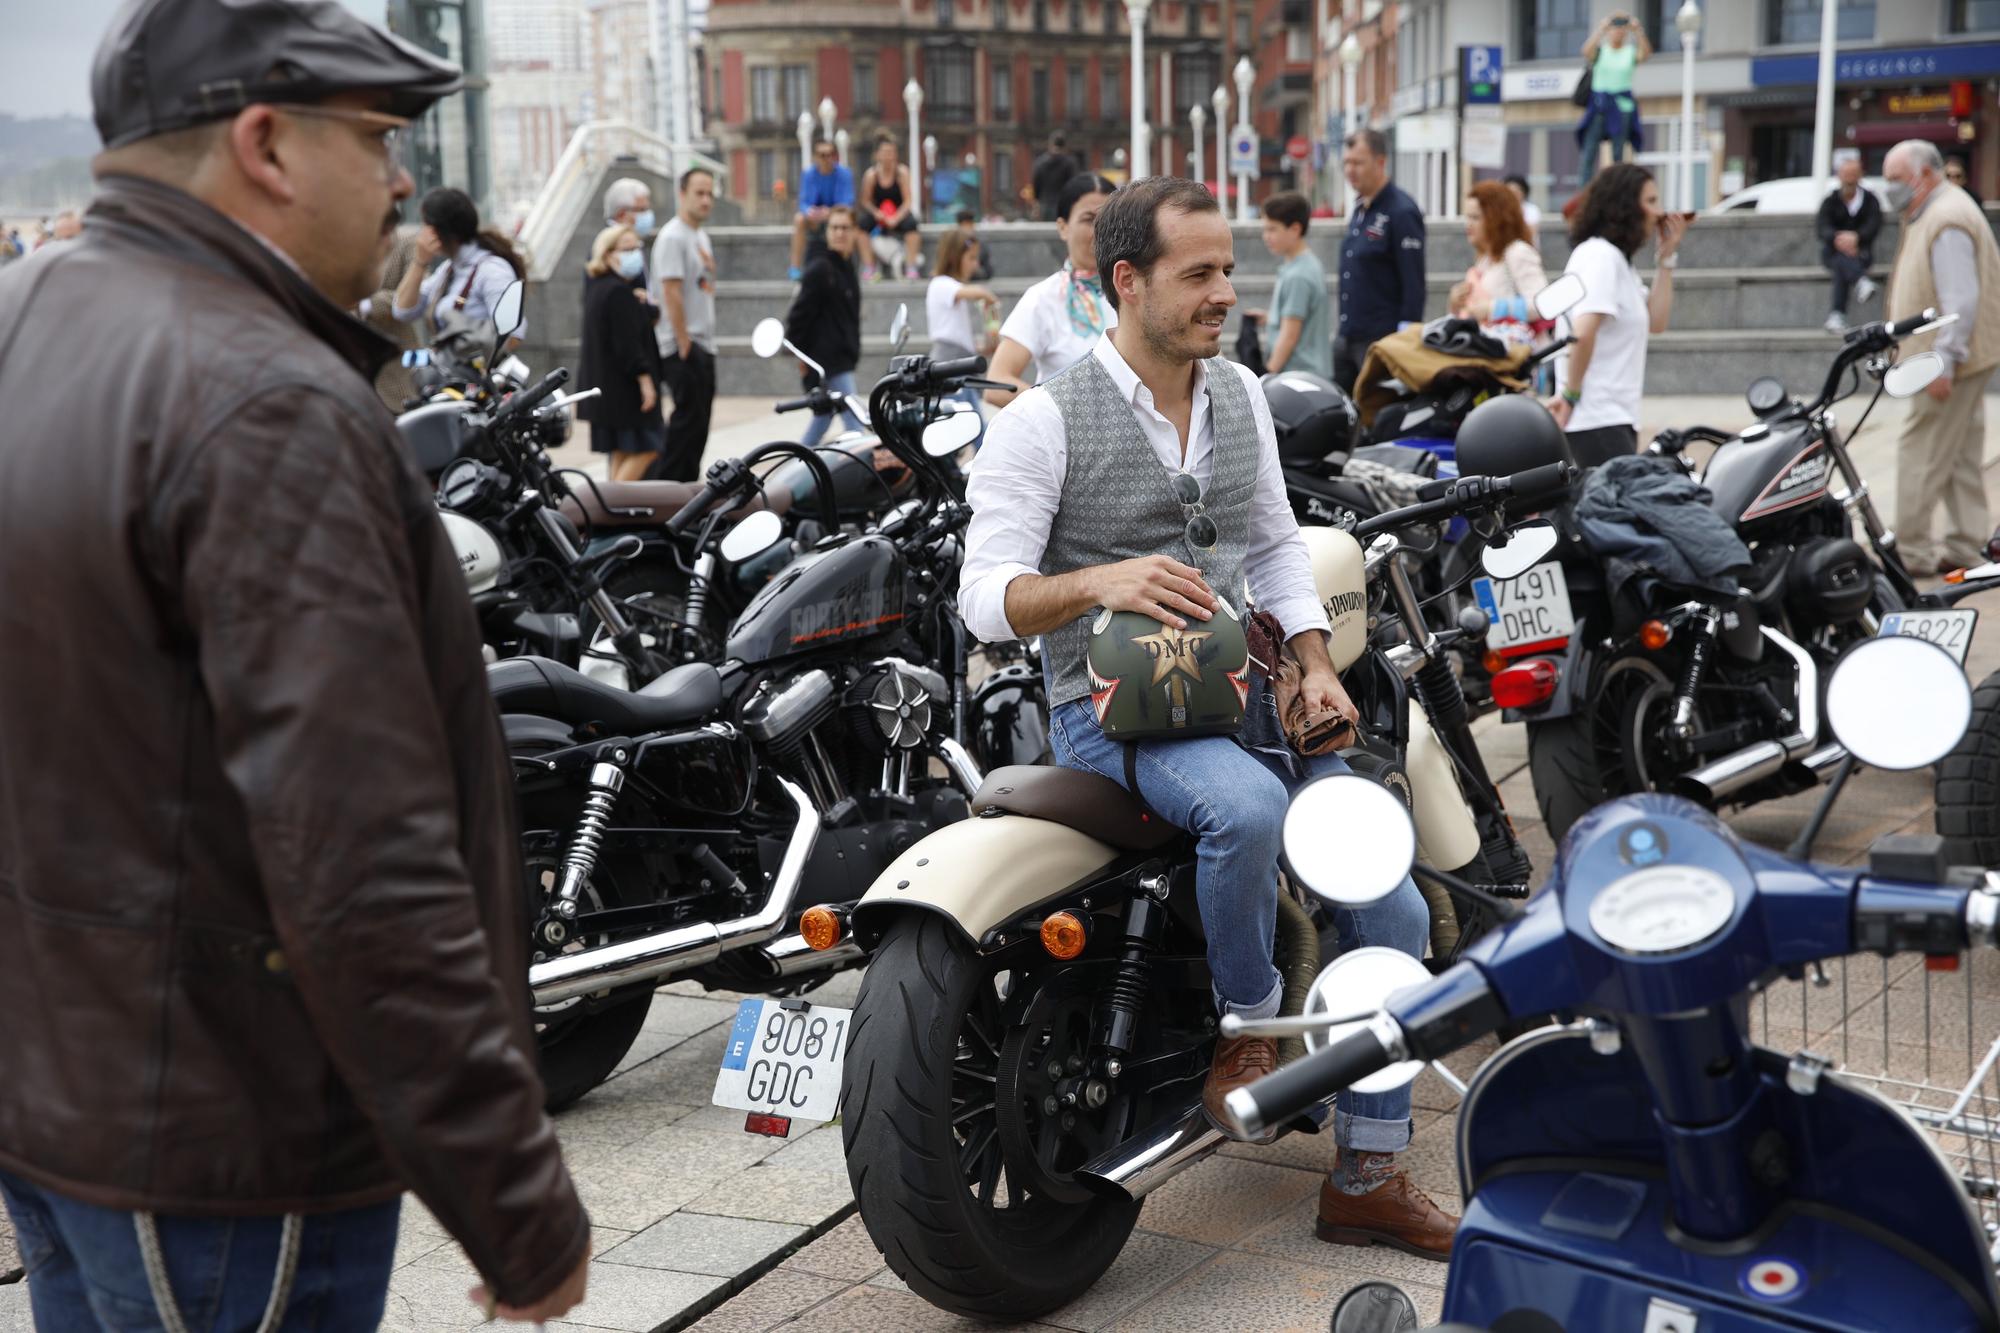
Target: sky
{"x": 45, "y": 55}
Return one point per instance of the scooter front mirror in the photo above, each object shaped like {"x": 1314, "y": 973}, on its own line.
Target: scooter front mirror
{"x": 1358, "y": 983}
{"x": 899, "y": 328}
{"x": 768, "y": 338}
{"x": 507, "y": 311}
{"x": 1912, "y": 375}
{"x": 1376, "y": 1307}
{"x": 759, "y": 532}
{"x": 1524, "y": 550}
{"x": 1348, "y": 840}
{"x": 1898, "y": 702}
{"x": 948, "y": 434}
{"x": 1559, "y": 297}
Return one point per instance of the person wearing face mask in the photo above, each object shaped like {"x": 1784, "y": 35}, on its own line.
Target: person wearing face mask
{"x": 1947, "y": 260}
{"x": 629, "y": 203}
{"x": 1059, "y": 319}
{"x": 620, "y": 358}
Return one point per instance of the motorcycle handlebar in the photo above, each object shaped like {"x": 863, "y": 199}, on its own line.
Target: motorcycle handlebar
{"x": 694, "y": 508}
{"x": 1903, "y": 328}
{"x": 1466, "y": 495}
{"x": 794, "y": 404}
{"x": 1305, "y": 1083}
{"x": 529, "y": 398}
{"x": 958, "y": 369}
{"x": 1545, "y": 353}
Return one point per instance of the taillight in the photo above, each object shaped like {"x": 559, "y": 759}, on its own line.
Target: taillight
{"x": 1525, "y": 684}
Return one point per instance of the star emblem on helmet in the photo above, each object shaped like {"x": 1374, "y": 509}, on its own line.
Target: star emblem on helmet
{"x": 1173, "y": 650}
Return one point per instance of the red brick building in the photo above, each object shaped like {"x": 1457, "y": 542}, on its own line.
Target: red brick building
{"x": 998, "y": 77}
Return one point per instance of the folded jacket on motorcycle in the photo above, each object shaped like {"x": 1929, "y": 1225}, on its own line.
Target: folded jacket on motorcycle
{"x": 1405, "y": 358}
{"x": 262, "y": 938}
{"x": 1643, "y": 509}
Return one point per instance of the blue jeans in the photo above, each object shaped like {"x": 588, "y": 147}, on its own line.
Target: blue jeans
{"x": 1605, "y": 119}
{"x": 840, "y": 383}
{"x": 85, "y": 1273}
{"x": 1233, "y": 799}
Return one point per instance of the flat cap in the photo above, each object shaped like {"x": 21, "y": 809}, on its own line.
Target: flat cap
{"x": 168, "y": 64}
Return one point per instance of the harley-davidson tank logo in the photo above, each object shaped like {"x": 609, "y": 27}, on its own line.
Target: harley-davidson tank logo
{"x": 1344, "y": 604}
{"x": 1173, "y": 651}
{"x": 1101, "y": 691}
{"x": 1806, "y": 478}
{"x": 856, "y": 608}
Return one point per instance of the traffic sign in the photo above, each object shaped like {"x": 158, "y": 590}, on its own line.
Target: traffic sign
{"x": 1479, "y": 75}
{"x": 1243, "y": 152}
{"x": 1298, "y": 147}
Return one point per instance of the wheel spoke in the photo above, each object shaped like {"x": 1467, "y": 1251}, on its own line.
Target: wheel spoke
{"x": 976, "y": 1108}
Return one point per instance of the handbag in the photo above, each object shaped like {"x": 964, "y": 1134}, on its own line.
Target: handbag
{"x": 1581, "y": 97}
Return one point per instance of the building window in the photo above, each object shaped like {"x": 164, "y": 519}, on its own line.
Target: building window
{"x": 1657, "y": 16}
{"x": 1003, "y": 179}
{"x": 1075, "y": 8}
{"x": 1298, "y": 46}
{"x": 1111, "y": 8}
{"x": 798, "y": 90}
{"x": 867, "y": 90}
{"x": 1553, "y": 29}
{"x": 1194, "y": 18}
{"x": 1195, "y": 75}
{"x": 1003, "y": 91}
{"x": 1243, "y": 32}
{"x": 945, "y": 13}
{"x": 767, "y": 172}
{"x": 1975, "y": 15}
{"x": 948, "y": 80}
{"x": 764, "y": 95}
{"x": 1038, "y": 96}
{"x": 1041, "y": 15}
{"x": 1108, "y": 95}
{"x": 1796, "y": 22}
{"x": 1073, "y": 91}
{"x": 1000, "y": 12}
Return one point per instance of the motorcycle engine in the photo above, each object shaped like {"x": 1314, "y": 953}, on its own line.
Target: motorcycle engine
{"x": 890, "y": 707}
{"x": 1829, "y": 582}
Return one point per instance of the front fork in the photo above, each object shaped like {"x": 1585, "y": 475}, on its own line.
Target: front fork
{"x": 1879, "y": 533}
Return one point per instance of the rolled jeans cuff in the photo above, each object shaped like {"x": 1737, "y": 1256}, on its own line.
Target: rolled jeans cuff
{"x": 1264, "y": 1008}
{"x": 1366, "y": 1134}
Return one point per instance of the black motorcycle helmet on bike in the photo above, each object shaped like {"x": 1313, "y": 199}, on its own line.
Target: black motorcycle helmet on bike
{"x": 1312, "y": 417}
{"x": 1507, "y": 434}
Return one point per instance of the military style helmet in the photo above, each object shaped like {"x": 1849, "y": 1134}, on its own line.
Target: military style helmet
{"x": 1149, "y": 681}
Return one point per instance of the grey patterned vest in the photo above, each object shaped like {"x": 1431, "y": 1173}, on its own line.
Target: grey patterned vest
{"x": 1118, "y": 502}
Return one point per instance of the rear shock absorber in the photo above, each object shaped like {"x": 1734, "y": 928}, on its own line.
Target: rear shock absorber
{"x": 1700, "y": 644}
{"x": 580, "y": 861}
{"x": 1145, "y": 917}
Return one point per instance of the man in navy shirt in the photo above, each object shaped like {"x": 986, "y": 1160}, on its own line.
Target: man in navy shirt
{"x": 1382, "y": 259}
{"x": 827, "y": 186}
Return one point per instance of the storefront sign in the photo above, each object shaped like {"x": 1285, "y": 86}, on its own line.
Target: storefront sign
{"x": 1539, "y": 85}
{"x": 1409, "y": 100}
{"x": 1428, "y": 133}
{"x": 1483, "y": 143}
{"x": 1932, "y": 62}
{"x": 1917, "y": 104}
{"x": 1479, "y": 75}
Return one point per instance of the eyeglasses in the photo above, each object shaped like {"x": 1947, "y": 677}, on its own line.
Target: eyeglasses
{"x": 388, "y": 130}
{"x": 1201, "y": 533}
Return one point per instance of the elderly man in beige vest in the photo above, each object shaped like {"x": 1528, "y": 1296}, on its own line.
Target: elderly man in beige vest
{"x": 1947, "y": 259}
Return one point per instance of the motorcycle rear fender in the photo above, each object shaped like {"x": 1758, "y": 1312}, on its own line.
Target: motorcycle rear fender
{"x": 1446, "y": 834}
{"x": 1573, "y": 667}
{"x": 981, "y": 873}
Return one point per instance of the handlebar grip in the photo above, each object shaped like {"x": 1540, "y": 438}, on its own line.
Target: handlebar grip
{"x": 958, "y": 369}
{"x": 694, "y": 508}
{"x": 1545, "y": 353}
{"x": 1903, "y": 328}
{"x": 529, "y": 398}
{"x": 1541, "y": 483}
{"x": 1278, "y": 1097}
{"x": 794, "y": 404}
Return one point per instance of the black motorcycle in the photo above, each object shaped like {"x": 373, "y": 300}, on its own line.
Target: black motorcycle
{"x": 1652, "y": 685}
{"x": 683, "y": 829}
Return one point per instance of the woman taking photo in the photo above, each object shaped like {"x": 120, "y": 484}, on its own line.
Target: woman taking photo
{"x": 1499, "y": 289}
{"x": 620, "y": 358}
{"x": 1604, "y": 373}
{"x": 460, "y": 294}
{"x": 955, "y": 309}
{"x": 1059, "y": 319}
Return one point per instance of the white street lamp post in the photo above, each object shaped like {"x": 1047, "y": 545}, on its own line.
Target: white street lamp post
{"x": 1822, "y": 149}
{"x": 1135, "y": 17}
{"x": 1350, "y": 62}
{"x": 827, "y": 111}
{"x": 1688, "y": 24}
{"x": 1196, "y": 119}
{"x": 1219, "y": 99}
{"x": 1166, "y": 115}
{"x": 1246, "y": 74}
{"x": 840, "y": 142}
{"x": 930, "y": 153}
{"x": 913, "y": 98}
{"x": 805, "y": 140}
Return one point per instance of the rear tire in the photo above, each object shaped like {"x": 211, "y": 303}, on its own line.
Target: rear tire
{"x": 1562, "y": 764}
{"x": 926, "y": 1017}
{"x": 1968, "y": 784}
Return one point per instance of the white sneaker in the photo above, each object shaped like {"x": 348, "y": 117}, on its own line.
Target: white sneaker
{"x": 1835, "y": 323}
{"x": 1865, "y": 289}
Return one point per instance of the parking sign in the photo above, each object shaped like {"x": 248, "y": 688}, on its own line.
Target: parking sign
{"x": 1243, "y": 152}
{"x": 1479, "y": 75}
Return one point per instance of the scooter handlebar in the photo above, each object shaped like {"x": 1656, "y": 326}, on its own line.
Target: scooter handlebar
{"x": 794, "y": 404}
{"x": 528, "y": 399}
{"x": 1903, "y": 328}
{"x": 1278, "y": 1097}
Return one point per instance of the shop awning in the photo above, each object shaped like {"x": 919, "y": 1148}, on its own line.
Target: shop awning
{"x": 1879, "y": 133}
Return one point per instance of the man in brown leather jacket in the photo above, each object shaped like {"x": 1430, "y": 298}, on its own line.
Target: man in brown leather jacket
{"x": 262, "y": 953}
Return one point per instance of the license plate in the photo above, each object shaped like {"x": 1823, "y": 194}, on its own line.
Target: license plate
{"x": 784, "y": 1062}
{"x": 1529, "y": 608}
{"x": 1949, "y": 630}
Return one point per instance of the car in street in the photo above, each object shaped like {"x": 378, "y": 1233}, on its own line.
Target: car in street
{"x": 1793, "y": 194}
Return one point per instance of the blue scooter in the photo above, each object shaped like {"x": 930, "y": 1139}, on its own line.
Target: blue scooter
{"x": 1648, "y": 1168}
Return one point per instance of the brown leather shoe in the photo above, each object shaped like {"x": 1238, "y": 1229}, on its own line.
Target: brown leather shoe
{"x": 1238, "y": 1061}
{"x": 1395, "y": 1213}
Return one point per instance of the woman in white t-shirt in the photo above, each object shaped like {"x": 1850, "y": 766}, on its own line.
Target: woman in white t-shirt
{"x": 1059, "y": 319}
{"x": 1604, "y": 373}
{"x": 955, "y": 310}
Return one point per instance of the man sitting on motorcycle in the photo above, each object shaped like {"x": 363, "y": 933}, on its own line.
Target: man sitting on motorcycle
{"x": 1146, "y": 479}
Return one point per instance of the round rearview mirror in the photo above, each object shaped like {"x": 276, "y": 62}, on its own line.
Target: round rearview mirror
{"x": 899, "y": 328}
{"x": 1898, "y": 702}
{"x": 768, "y": 338}
{"x": 507, "y": 310}
{"x": 1559, "y": 297}
{"x": 1348, "y": 840}
{"x": 1524, "y": 550}
{"x": 948, "y": 434}
{"x": 1912, "y": 375}
{"x": 1355, "y": 985}
{"x": 1376, "y": 1307}
{"x": 755, "y": 534}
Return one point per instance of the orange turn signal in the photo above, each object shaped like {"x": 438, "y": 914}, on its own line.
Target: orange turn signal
{"x": 1956, "y": 576}
{"x": 820, "y": 926}
{"x": 1064, "y": 935}
{"x": 1655, "y": 634}
{"x": 1493, "y": 662}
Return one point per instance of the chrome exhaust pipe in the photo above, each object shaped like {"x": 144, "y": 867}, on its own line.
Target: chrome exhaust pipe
{"x": 964, "y": 768}
{"x": 1820, "y": 761}
{"x": 1140, "y": 1165}
{"x": 791, "y": 955}
{"x": 1759, "y": 760}
{"x": 652, "y": 956}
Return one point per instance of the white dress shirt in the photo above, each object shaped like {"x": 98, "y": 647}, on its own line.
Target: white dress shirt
{"x": 437, "y": 298}
{"x": 1040, "y": 322}
{"x": 1015, "y": 486}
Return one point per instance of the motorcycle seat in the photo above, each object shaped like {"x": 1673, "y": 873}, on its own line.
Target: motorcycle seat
{"x": 652, "y": 503}
{"x": 1082, "y": 801}
{"x": 539, "y": 685}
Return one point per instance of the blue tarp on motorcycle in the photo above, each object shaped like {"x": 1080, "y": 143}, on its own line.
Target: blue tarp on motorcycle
{"x": 1646, "y": 511}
